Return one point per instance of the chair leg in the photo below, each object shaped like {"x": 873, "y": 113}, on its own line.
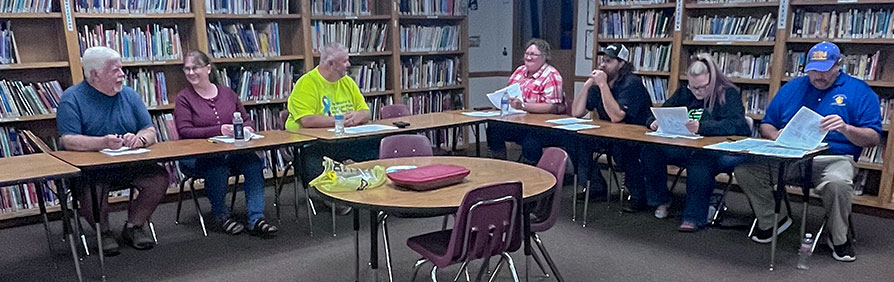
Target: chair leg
{"x": 235, "y": 189}
{"x": 574, "y": 199}
{"x": 387, "y": 247}
{"x": 152, "y": 229}
{"x": 444, "y": 223}
{"x": 195, "y": 200}
{"x": 78, "y": 227}
{"x": 539, "y": 263}
{"x": 677, "y": 178}
{"x": 434, "y": 273}
{"x": 311, "y": 210}
{"x": 851, "y": 230}
{"x": 586, "y": 204}
{"x": 816, "y": 239}
{"x": 511, "y": 266}
{"x": 721, "y": 205}
{"x": 332, "y": 208}
{"x": 493, "y": 275}
{"x": 279, "y": 185}
{"x": 462, "y": 269}
{"x": 416, "y": 266}
{"x": 751, "y": 230}
{"x": 180, "y": 200}
{"x": 548, "y": 258}
{"x": 484, "y": 267}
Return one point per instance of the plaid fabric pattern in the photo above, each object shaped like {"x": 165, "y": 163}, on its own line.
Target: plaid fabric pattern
{"x": 545, "y": 86}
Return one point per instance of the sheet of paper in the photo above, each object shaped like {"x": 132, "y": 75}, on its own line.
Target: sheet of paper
{"x": 576, "y": 126}
{"x": 666, "y": 135}
{"x": 570, "y": 120}
{"x": 672, "y": 121}
{"x": 497, "y": 96}
{"x": 231, "y": 140}
{"x": 777, "y": 152}
{"x": 482, "y": 114}
{"x": 365, "y": 128}
{"x": 802, "y": 131}
{"x": 741, "y": 145}
{"x": 123, "y": 151}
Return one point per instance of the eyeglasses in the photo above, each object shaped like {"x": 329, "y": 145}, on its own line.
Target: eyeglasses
{"x": 698, "y": 88}
{"x": 532, "y": 55}
{"x": 193, "y": 69}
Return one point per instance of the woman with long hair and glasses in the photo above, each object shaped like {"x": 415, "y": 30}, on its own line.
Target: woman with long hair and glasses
{"x": 715, "y": 108}
{"x": 204, "y": 110}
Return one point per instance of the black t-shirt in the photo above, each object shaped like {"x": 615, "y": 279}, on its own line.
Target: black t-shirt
{"x": 631, "y": 96}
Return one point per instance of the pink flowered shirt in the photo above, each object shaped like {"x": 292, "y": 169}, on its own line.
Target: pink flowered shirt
{"x": 545, "y": 86}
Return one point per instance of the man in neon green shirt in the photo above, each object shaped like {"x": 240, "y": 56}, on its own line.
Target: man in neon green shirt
{"x": 325, "y": 92}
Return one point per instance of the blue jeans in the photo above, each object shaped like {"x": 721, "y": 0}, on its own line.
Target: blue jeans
{"x": 499, "y": 133}
{"x": 217, "y": 169}
{"x": 701, "y": 168}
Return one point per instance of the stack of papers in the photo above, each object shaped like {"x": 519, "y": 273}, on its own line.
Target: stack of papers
{"x": 570, "y": 120}
{"x": 514, "y": 91}
{"x": 672, "y": 123}
{"x": 576, "y": 126}
{"x": 123, "y": 151}
{"x": 365, "y": 128}
{"x": 231, "y": 140}
{"x": 801, "y": 135}
{"x": 482, "y": 114}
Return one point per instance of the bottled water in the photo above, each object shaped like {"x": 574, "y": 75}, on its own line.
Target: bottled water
{"x": 238, "y": 129}
{"x": 339, "y": 125}
{"x": 804, "y": 252}
{"x": 504, "y": 104}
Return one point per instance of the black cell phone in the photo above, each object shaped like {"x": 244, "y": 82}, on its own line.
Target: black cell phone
{"x": 401, "y": 124}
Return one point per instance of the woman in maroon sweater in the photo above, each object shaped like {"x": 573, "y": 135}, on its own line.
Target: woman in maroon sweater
{"x": 205, "y": 110}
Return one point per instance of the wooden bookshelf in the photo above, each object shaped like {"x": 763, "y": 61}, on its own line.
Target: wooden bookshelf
{"x": 378, "y": 93}
{"x": 880, "y": 41}
{"x": 350, "y": 18}
{"x": 7, "y": 120}
{"x": 55, "y": 15}
{"x": 432, "y": 53}
{"x": 252, "y": 16}
{"x": 730, "y": 43}
{"x": 694, "y": 6}
{"x": 836, "y": 2}
{"x": 25, "y": 66}
{"x": 257, "y": 59}
{"x": 134, "y": 16}
{"x": 669, "y": 5}
{"x": 635, "y": 40}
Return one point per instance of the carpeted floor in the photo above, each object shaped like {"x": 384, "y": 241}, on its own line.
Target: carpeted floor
{"x": 613, "y": 247}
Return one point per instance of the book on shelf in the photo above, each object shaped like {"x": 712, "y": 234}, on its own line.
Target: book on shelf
{"x": 18, "y": 98}
{"x": 258, "y": 83}
{"x": 369, "y": 76}
{"x": 434, "y": 7}
{"x": 631, "y": 2}
{"x": 9, "y": 50}
{"x": 376, "y": 104}
{"x": 636, "y": 24}
{"x": 730, "y": 28}
{"x": 133, "y": 6}
{"x": 166, "y": 130}
{"x": 739, "y": 65}
{"x": 650, "y": 57}
{"x": 432, "y": 102}
{"x": 852, "y": 23}
{"x": 426, "y": 73}
{"x": 238, "y": 40}
{"x": 34, "y": 6}
{"x": 152, "y": 42}
{"x": 356, "y": 37}
{"x": 756, "y": 100}
{"x": 729, "y": 1}
{"x": 887, "y": 108}
{"x": 24, "y": 196}
{"x": 429, "y": 38}
{"x": 873, "y": 155}
{"x": 151, "y": 85}
{"x": 657, "y": 88}
{"x": 863, "y": 67}
{"x": 242, "y": 7}
{"x": 341, "y": 7}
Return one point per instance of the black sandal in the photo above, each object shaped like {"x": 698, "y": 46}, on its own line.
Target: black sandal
{"x": 263, "y": 229}
{"x": 232, "y": 227}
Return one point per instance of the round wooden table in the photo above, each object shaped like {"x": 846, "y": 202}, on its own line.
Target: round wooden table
{"x": 390, "y": 198}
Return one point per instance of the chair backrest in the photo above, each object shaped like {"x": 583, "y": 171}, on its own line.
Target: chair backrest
{"x": 404, "y": 145}
{"x": 547, "y": 211}
{"x": 487, "y": 223}
{"x": 750, "y": 122}
{"x": 394, "y": 111}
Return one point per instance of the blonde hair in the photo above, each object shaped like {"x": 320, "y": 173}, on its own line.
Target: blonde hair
{"x": 703, "y": 63}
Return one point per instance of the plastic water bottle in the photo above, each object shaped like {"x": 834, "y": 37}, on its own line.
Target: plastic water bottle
{"x": 339, "y": 125}
{"x": 504, "y": 104}
{"x": 238, "y": 129}
{"x": 804, "y": 252}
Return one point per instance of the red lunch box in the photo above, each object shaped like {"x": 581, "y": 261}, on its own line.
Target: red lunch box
{"x": 429, "y": 177}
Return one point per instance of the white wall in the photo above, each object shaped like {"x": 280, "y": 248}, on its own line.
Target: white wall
{"x": 492, "y": 22}
{"x": 582, "y": 65}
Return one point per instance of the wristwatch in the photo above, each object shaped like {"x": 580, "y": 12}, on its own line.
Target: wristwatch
{"x": 143, "y": 139}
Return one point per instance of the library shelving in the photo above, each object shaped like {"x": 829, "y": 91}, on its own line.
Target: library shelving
{"x": 55, "y": 56}
{"x": 783, "y": 31}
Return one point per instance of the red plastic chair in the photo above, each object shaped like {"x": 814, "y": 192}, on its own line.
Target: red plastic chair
{"x": 394, "y": 111}
{"x": 488, "y": 223}
{"x": 547, "y": 211}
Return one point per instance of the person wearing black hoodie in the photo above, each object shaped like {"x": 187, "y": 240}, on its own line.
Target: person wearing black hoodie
{"x": 715, "y": 109}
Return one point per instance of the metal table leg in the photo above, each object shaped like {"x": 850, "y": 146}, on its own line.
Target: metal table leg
{"x": 66, "y": 228}
{"x": 356, "y": 245}
{"x": 807, "y": 179}
{"x": 777, "y": 198}
{"x": 374, "y": 243}
{"x": 97, "y": 219}
{"x": 526, "y": 223}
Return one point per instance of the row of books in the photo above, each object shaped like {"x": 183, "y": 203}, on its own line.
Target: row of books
{"x": 357, "y": 37}
{"x": 9, "y": 51}
{"x": 418, "y": 73}
{"x": 258, "y": 84}
{"x": 266, "y": 117}
{"x": 423, "y": 38}
{"x": 24, "y": 197}
{"x": 636, "y": 24}
{"x": 887, "y": 108}
{"x": 651, "y": 57}
{"x": 754, "y": 29}
{"x": 240, "y": 40}
{"x": 376, "y": 103}
{"x": 26, "y": 99}
{"x": 247, "y": 7}
{"x": 341, "y": 7}
{"x": 436, "y": 101}
{"x": 133, "y": 6}
{"x": 34, "y": 6}
{"x": 864, "y": 67}
{"x": 657, "y": 88}
{"x": 756, "y": 100}
{"x": 873, "y": 155}
{"x": 151, "y": 85}
{"x": 729, "y": 1}
{"x": 434, "y": 7}
{"x": 853, "y": 23}
{"x": 153, "y": 42}
{"x": 369, "y": 76}
{"x": 631, "y": 2}
{"x": 741, "y": 65}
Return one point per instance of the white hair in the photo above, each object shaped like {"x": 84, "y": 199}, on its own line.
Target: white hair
{"x": 96, "y": 58}
{"x": 328, "y": 51}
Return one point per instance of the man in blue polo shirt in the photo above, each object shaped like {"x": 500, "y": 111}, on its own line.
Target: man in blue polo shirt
{"x": 850, "y": 110}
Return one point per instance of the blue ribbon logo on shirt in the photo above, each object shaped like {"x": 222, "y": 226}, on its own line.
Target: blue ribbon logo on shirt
{"x": 327, "y": 105}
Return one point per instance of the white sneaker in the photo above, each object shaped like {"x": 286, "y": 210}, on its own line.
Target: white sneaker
{"x": 661, "y": 211}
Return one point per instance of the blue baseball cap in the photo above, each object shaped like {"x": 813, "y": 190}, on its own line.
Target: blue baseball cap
{"x": 822, "y": 57}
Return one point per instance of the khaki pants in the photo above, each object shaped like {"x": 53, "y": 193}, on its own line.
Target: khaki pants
{"x": 832, "y": 178}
